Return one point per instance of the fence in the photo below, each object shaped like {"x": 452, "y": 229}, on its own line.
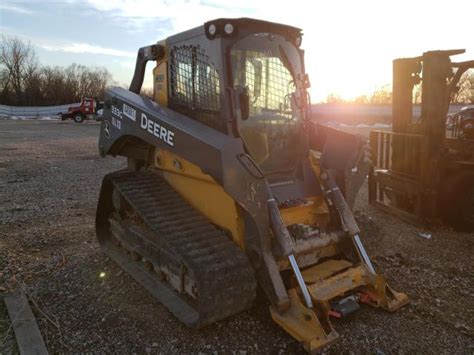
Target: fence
{"x": 368, "y": 110}
{"x": 33, "y": 111}
{"x": 331, "y": 110}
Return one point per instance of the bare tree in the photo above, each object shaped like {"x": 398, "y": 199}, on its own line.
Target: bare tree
{"x": 4, "y": 82}
{"x": 147, "y": 93}
{"x": 24, "y": 82}
{"x": 32, "y": 93}
{"x": 19, "y": 62}
{"x": 101, "y": 78}
{"x": 381, "y": 96}
{"x": 362, "y": 99}
{"x": 333, "y": 98}
{"x": 465, "y": 92}
{"x": 53, "y": 84}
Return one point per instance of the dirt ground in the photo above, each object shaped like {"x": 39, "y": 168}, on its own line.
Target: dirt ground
{"x": 50, "y": 175}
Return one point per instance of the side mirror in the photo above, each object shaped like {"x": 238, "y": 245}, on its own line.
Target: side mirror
{"x": 244, "y": 103}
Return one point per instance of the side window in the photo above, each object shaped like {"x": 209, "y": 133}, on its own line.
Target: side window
{"x": 194, "y": 86}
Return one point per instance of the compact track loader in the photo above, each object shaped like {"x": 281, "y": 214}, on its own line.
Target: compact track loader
{"x": 230, "y": 188}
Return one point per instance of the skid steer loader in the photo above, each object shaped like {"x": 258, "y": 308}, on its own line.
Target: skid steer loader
{"x": 229, "y": 187}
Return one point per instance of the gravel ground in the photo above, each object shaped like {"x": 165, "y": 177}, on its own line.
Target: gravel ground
{"x": 50, "y": 176}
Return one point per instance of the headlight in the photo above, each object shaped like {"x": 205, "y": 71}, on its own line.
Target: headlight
{"x": 229, "y": 28}
{"x": 212, "y": 30}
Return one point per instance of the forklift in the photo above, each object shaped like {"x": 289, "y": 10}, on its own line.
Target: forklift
{"x": 421, "y": 173}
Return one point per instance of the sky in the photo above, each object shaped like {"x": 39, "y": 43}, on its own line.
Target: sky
{"x": 349, "y": 44}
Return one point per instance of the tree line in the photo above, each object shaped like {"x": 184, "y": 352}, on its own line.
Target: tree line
{"x": 383, "y": 94}
{"x": 25, "y": 82}
{"x": 380, "y": 96}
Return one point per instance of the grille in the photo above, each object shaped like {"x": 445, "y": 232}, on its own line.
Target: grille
{"x": 195, "y": 86}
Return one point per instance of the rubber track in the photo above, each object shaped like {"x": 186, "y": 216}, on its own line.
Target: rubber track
{"x": 221, "y": 271}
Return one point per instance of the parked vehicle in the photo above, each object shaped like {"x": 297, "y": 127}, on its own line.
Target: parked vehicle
{"x": 87, "y": 110}
{"x": 463, "y": 122}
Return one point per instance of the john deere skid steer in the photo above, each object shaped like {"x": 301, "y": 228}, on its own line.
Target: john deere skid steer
{"x": 230, "y": 188}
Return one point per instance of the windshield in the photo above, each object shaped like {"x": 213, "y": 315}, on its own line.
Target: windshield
{"x": 267, "y": 66}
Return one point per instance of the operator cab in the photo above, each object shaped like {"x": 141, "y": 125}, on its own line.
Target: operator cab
{"x": 265, "y": 68}
{"x": 245, "y": 78}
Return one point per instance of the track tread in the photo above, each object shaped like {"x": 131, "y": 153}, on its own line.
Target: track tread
{"x": 222, "y": 272}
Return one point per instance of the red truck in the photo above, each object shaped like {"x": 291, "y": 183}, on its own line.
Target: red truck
{"x": 88, "y": 109}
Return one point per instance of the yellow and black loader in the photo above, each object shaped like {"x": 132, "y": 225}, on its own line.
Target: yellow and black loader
{"x": 230, "y": 188}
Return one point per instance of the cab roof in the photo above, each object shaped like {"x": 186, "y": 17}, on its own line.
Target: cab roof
{"x": 241, "y": 25}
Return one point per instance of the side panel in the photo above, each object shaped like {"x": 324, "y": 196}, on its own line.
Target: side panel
{"x": 129, "y": 116}
{"x": 209, "y": 198}
{"x": 202, "y": 192}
